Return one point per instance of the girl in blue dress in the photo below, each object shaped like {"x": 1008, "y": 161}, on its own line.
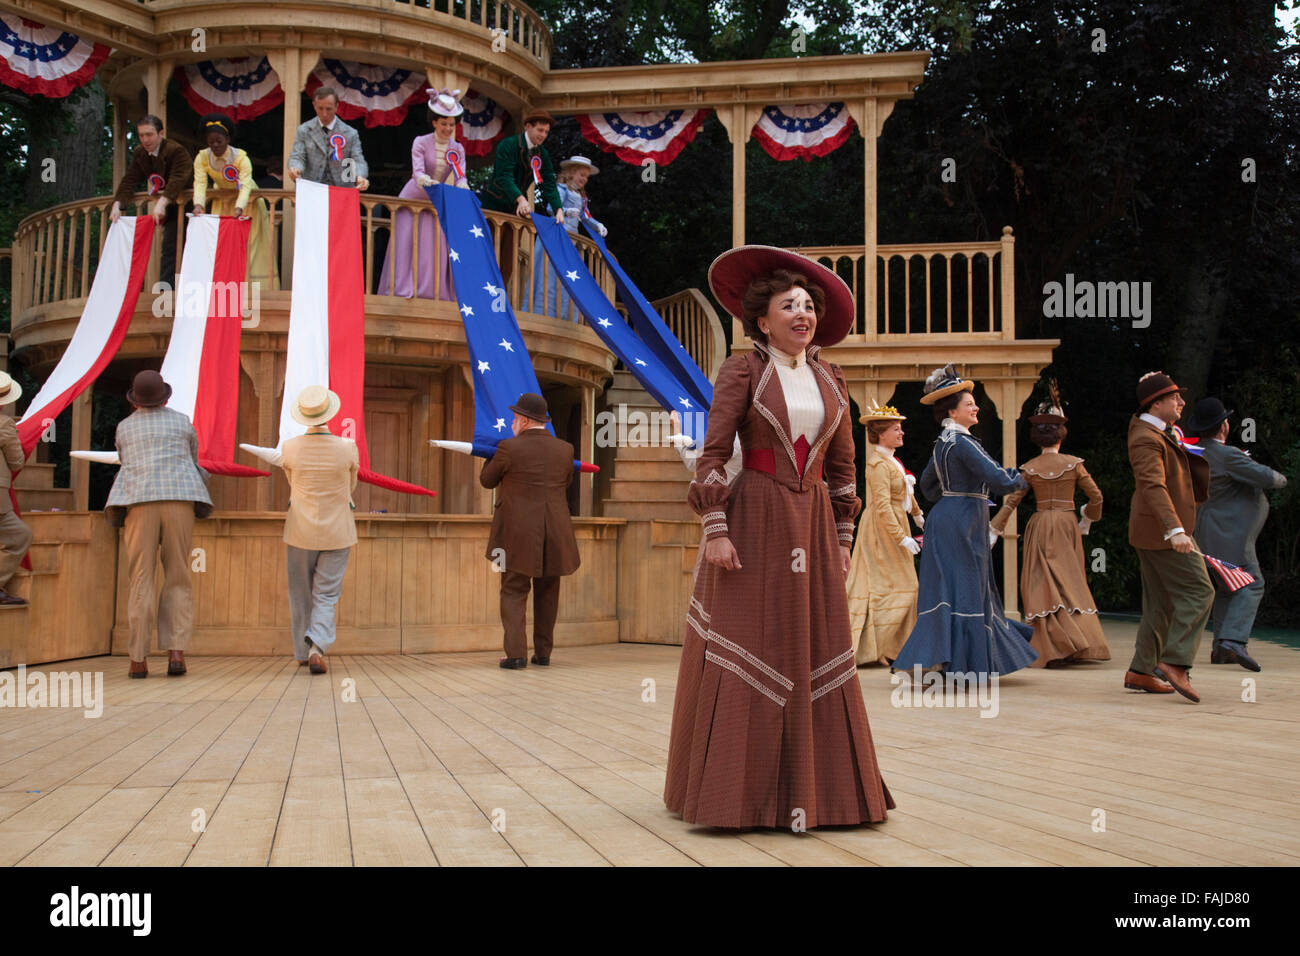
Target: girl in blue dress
{"x": 960, "y": 625}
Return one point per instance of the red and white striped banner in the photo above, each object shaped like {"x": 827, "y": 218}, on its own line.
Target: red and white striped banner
{"x": 119, "y": 277}
{"x": 1233, "y": 577}
{"x": 658, "y": 135}
{"x": 202, "y": 361}
{"x": 327, "y": 317}
{"x": 804, "y": 131}
{"x": 46, "y": 61}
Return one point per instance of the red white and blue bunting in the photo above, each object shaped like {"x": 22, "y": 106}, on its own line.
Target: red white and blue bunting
{"x": 482, "y": 125}
{"x": 380, "y": 94}
{"x": 243, "y": 89}
{"x": 45, "y": 61}
{"x": 635, "y": 137}
{"x": 804, "y": 131}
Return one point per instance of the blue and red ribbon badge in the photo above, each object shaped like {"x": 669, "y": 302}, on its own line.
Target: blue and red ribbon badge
{"x": 456, "y": 159}
{"x": 337, "y": 144}
{"x": 536, "y": 163}
{"x": 229, "y": 173}
{"x": 156, "y": 183}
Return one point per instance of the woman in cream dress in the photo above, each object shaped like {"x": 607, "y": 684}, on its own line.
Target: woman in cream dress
{"x": 230, "y": 172}
{"x": 882, "y": 573}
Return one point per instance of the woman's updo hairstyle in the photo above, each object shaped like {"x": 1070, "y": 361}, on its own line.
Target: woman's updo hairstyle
{"x": 876, "y": 429}
{"x": 760, "y": 292}
{"x": 943, "y": 407}
{"x": 1047, "y": 434}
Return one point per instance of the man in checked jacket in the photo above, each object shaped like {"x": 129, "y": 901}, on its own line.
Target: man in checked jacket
{"x": 155, "y": 499}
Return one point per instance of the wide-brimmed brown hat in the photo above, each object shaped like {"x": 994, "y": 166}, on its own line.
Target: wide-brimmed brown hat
{"x": 881, "y": 413}
{"x": 316, "y": 405}
{"x": 1154, "y": 385}
{"x": 944, "y": 382}
{"x": 1048, "y": 414}
{"x": 733, "y": 271}
{"x": 148, "y": 390}
{"x": 10, "y": 391}
{"x": 531, "y": 405}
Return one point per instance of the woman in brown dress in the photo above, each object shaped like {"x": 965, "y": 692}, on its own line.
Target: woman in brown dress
{"x": 882, "y": 573}
{"x": 769, "y": 728}
{"x": 1053, "y": 586}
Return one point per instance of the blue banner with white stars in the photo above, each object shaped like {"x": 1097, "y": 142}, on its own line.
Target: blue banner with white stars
{"x": 501, "y": 367}
{"x": 641, "y": 360}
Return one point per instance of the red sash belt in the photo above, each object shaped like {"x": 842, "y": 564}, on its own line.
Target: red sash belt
{"x": 764, "y": 459}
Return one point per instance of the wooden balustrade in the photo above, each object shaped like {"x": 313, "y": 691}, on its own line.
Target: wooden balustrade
{"x": 56, "y": 251}
{"x": 969, "y": 291}
{"x": 692, "y": 319}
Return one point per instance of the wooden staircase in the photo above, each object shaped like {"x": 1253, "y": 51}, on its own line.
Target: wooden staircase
{"x": 35, "y": 489}
{"x": 648, "y": 481}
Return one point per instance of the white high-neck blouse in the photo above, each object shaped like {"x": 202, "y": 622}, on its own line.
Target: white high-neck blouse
{"x": 803, "y": 399}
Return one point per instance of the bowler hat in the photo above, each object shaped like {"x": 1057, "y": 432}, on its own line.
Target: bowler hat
{"x": 148, "y": 390}
{"x": 1208, "y": 415}
{"x": 531, "y": 405}
{"x": 1154, "y": 385}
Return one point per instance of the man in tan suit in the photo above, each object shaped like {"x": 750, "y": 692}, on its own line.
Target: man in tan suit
{"x": 319, "y": 529}
{"x": 532, "y": 541}
{"x": 15, "y": 537}
{"x": 1176, "y": 592}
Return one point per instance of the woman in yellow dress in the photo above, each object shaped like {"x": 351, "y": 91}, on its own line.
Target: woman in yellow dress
{"x": 882, "y": 574}
{"x": 231, "y": 173}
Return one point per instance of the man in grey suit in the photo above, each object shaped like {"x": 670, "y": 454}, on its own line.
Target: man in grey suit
{"x": 1227, "y": 526}
{"x": 156, "y": 496}
{"x": 326, "y": 149}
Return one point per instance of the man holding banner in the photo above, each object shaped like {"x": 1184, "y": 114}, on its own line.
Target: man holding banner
{"x": 523, "y": 169}
{"x": 163, "y": 168}
{"x": 326, "y": 149}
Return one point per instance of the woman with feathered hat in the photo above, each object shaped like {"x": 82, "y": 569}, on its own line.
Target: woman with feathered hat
{"x": 960, "y": 625}
{"x": 1053, "y": 585}
{"x": 769, "y": 727}
{"x": 882, "y": 572}
{"x": 435, "y": 158}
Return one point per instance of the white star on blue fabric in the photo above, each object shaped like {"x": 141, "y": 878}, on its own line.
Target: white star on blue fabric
{"x": 684, "y": 402}
{"x": 455, "y": 256}
{"x": 476, "y": 231}
{"x": 604, "y": 323}
{"x": 505, "y": 344}
{"x": 501, "y": 423}
{"x": 490, "y": 289}
{"x": 484, "y": 367}
{"x": 466, "y": 310}
{"x": 572, "y": 276}
{"x": 639, "y": 362}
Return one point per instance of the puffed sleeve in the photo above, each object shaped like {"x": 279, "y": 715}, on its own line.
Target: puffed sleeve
{"x": 1092, "y": 510}
{"x": 882, "y": 504}
{"x": 200, "y": 178}
{"x": 417, "y": 158}
{"x": 841, "y": 469}
{"x": 709, "y": 491}
{"x": 1009, "y": 504}
{"x": 1001, "y": 481}
{"x": 245, "y": 167}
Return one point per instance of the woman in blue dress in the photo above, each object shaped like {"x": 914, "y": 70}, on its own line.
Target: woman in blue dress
{"x": 549, "y": 295}
{"x": 960, "y": 625}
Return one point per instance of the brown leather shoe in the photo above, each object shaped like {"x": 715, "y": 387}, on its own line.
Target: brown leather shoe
{"x": 138, "y": 669}
{"x": 1177, "y": 676}
{"x": 1135, "y": 681}
{"x": 176, "y": 664}
{"x": 11, "y": 600}
{"x": 316, "y": 664}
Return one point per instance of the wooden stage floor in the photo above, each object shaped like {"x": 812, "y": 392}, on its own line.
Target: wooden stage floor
{"x": 571, "y": 760}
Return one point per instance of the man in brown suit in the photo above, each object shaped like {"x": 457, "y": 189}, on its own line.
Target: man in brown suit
{"x": 1176, "y": 592}
{"x": 319, "y": 530}
{"x": 163, "y": 168}
{"x": 15, "y": 537}
{"x": 532, "y": 541}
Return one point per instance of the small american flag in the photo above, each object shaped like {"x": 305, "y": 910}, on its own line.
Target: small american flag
{"x": 1234, "y": 577}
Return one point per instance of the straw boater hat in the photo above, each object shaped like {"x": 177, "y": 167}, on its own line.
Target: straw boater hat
{"x": 733, "y": 271}
{"x": 445, "y": 102}
{"x": 148, "y": 390}
{"x": 10, "y": 391}
{"x": 582, "y": 161}
{"x": 942, "y": 383}
{"x": 1154, "y": 385}
{"x": 881, "y": 413}
{"x": 316, "y": 405}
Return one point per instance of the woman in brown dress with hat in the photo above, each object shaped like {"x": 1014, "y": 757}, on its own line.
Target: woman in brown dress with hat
{"x": 1053, "y": 586}
{"x": 769, "y": 728}
{"x": 882, "y": 573}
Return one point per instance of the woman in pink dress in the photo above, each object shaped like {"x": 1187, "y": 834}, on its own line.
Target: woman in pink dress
{"x": 435, "y": 158}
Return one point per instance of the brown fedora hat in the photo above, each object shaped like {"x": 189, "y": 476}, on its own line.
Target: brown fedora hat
{"x": 148, "y": 390}
{"x": 1154, "y": 385}
{"x": 531, "y": 405}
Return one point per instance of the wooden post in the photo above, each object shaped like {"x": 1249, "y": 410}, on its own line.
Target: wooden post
{"x": 1008, "y": 273}
{"x": 738, "y": 121}
{"x": 120, "y": 132}
{"x": 80, "y": 474}
{"x": 870, "y": 131}
{"x": 1010, "y": 411}
{"x": 156, "y": 77}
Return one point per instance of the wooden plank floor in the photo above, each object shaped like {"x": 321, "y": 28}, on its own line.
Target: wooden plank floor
{"x": 448, "y": 760}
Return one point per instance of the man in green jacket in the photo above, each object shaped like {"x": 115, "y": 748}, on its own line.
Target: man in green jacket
{"x": 521, "y": 162}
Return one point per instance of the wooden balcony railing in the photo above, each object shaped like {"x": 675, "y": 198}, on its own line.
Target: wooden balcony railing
{"x": 692, "y": 319}
{"x": 962, "y": 288}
